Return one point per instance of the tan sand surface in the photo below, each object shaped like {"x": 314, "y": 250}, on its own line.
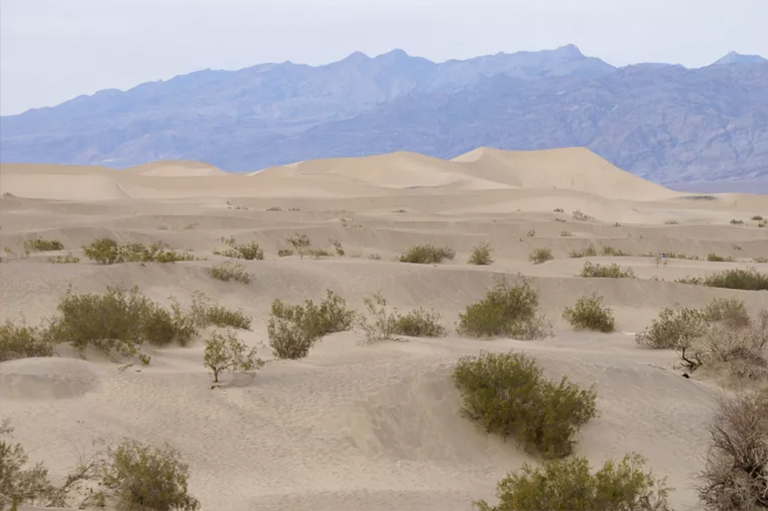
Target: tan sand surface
{"x": 365, "y": 427}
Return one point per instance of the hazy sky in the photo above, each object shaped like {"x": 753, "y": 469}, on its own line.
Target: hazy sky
{"x": 53, "y": 50}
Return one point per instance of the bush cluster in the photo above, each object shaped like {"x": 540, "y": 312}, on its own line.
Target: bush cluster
{"x": 589, "y": 313}
{"x": 540, "y": 255}
{"x": 230, "y": 270}
{"x": 674, "y": 328}
{"x": 612, "y": 271}
{"x": 381, "y": 324}
{"x": 507, "y": 394}
{"x": 22, "y": 341}
{"x": 590, "y": 251}
{"x": 427, "y": 254}
{"x": 43, "y": 245}
{"x": 737, "y": 278}
{"x": 249, "y": 251}
{"x": 109, "y": 251}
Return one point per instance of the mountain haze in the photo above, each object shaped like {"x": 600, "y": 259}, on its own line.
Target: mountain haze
{"x": 662, "y": 122}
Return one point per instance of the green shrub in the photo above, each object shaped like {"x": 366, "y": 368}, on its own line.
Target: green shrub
{"x": 615, "y": 252}
{"x": 757, "y": 217}
{"x": 719, "y": 259}
{"x": 103, "y": 250}
{"x": 317, "y": 253}
{"x": 505, "y": 311}
{"x": 108, "y": 251}
{"x": 144, "y": 477}
{"x": 612, "y": 271}
{"x": 249, "y": 251}
{"x": 560, "y": 485}
{"x": 559, "y": 210}
{"x": 674, "y": 328}
{"x": 507, "y": 394}
{"x": 41, "y": 245}
{"x": 65, "y": 259}
{"x": 590, "y": 251}
{"x": 222, "y": 317}
{"x": 761, "y": 259}
{"x": 419, "y": 323}
{"x": 19, "y": 484}
{"x": 566, "y": 234}
{"x": 734, "y": 477}
{"x": 23, "y": 342}
{"x": 540, "y": 255}
{"x": 427, "y": 254}
{"x": 284, "y": 252}
{"x": 379, "y": 324}
{"x": 729, "y": 311}
{"x": 230, "y": 270}
{"x": 482, "y": 254}
{"x": 736, "y": 222}
{"x": 589, "y": 313}
{"x": 749, "y": 280}
{"x": 227, "y": 353}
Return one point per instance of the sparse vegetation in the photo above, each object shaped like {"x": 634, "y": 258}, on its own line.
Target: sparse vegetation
{"x": 612, "y": 271}
{"x": 317, "y": 253}
{"x": 43, "y": 245}
{"x": 507, "y": 394}
{"x": 374, "y": 257}
{"x": 729, "y": 311}
{"x": 381, "y": 324}
{"x": 671, "y": 222}
{"x": 248, "y": 251}
{"x": 673, "y": 329}
{"x": 505, "y": 311}
{"x": 22, "y": 341}
{"x": 427, "y": 254}
{"x": 568, "y": 485}
{"x": 734, "y": 477}
{"x": 719, "y": 259}
{"x": 566, "y": 234}
{"x": 559, "y": 210}
{"x": 205, "y": 314}
{"x": 482, "y": 254}
{"x": 531, "y": 233}
{"x": 230, "y": 270}
{"x": 300, "y": 243}
{"x": 589, "y": 313}
{"x": 578, "y": 215}
{"x": 590, "y": 251}
{"x": 540, "y": 255}
{"x": 761, "y": 259}
{"x": 227, "y": 353}
{"x": 65, "y": 259}
{"x": 284, "y": 252}
{"x": 737, "y": 278}
{"x": 615, "y": 252}
{"x": 337, "y": 246}
{"x": 757, "y": 217}
{"x": 736, "y": 222}
{"x": 109, "y": 251}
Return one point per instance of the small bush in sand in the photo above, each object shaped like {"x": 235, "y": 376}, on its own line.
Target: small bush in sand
{"x": 284, "y": 252}
{"x": 482, "y": 254}
{"x": 103, "y": 250}
{"x": 108, "y": 251}
{"x": 65, "y": 259}
{"x": 507, "y": 394}
{"x": 540, "y": 255}
{"x": 119, "y": 321}
{"x": 42, "y": 245}
{"x": 719, "y": 259}
{"x": 248, "y": 251}
{"x": 317, "y": 253}
{"x": 611, "y": 271}
{"x": 144, "y": 477}
{"x": 531, "y": 233}
{"x": 419, "y": 323}
{"x": 230, "y": 270}
{"x": 615, "y": 252}
{"x": 293, "y": 329}
{"x": 22, "y": 341}
{"x": 589, "y": 313}
{"x": 736, "y": 222}
{"x": 578, "y": 215}
{"x": 749, "y": 280}
{"x": 336, "y": 244}
{"x": 427, "y": 254}
{"x": 761, "y": 259}
{"x": 757, "y": 217}
{"x": 568, "y": 484}
{"x": 374, "y": 257}
{"x": 590, "y": 251}
{"x": 674, "y": 328}
{"x": 505, "y": 311}
{"x": 300, "y": 243}
{"x": 559, "y": 210}
{"x": 734, "y": 477}
{"x": 205, "y": 314}
{"x": 380, "y": 324}
{"x": 566, "y": 234}
{"x": 729, "y": 311}
{"x": 227, "y": 353}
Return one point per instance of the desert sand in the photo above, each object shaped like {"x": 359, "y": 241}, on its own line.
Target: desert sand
{"x": 357, "y": 427}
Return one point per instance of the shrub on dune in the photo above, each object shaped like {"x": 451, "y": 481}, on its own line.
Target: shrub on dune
{"x": 612, "y": 271}
{"x": 589, "y": 313}
{"x": 482, "y": 255}
{"x": 22, "y": 341}
{"x": 540, "y": 255}
{"x": 427, "y": 254}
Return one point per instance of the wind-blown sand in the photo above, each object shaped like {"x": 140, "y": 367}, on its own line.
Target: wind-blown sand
{"x": 355, "y": 427}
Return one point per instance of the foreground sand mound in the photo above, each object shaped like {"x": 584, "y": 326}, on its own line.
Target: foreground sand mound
{"x": 92, "y": 186}
{"x": 46, "y": 378}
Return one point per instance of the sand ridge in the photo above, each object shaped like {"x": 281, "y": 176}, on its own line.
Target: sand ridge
{"x": 365, "y": 427}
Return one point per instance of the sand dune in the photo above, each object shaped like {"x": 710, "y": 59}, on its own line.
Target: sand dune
{"x": 365, "y": 427}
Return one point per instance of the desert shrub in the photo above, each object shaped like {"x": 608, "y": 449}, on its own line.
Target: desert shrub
{"x": 736, "y": 222}
{"x": 43, "y": 245}
{"x": 248, "y": 251}
{"x": 274, "y": 208}
{"x": 374, "y": 257}
{"x": 615, "y": 252}
{"x": 227, "y": 353}
{"x": 674, "y": 328}
{"x": 19, "y": 484}
{"x": 540, "y": 255}
{"x": 566, "y": 234}
{"x": 109, "y": 251}
{"x": 144, "y": 477}
{"x": 300, "y": 243}
{"x": 719, "y": 259}
{"x": 293, "y": 329}
{"x": 559, "y": 485}
{"x": 761, "y": 259}
{"x": 103, "y": 250}
{"x": 22, "y": 341}
{"x": 419, "y": 323}
{"x": 559, "y": 210}
{"x": 482, "y": 254}
{"x": 427, "y": 254}
{"x": 730, "y": 311}
{"x": 589, "y": 313}
{"x": 737, "y": 278}
{"x": 337, "y": 247}
{"x": 505, "y": 311}
{"x": 578, "y": 215}
{"x": 531, "y": 233}
{"x": 379, "y": 323}
{"x": 220, "y": 316}
{"x": 119, "y": 321}
{"x": 65, "y": 259}
{"x": 612, "y": 271}
{"x": 317, "y": 253}
{"x": 590, "y": 251}
{"x": 230, "y": 270}
{"x": 507, "y": 394}
{"x": 757, "y": 217}
{"x": 284, "y": 252}
{"x": 734, "y": 477}
{"x": 671, "y": 222}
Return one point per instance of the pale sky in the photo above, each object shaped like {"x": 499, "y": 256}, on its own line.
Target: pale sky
{"x": 54, "y": 50}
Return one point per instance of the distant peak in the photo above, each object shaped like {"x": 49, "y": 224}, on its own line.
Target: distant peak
{"x": 357, "y": 56}
{"x": 397, "y": 53}
{"x": 737, "y": 58}
{"x": 569, "y": 50}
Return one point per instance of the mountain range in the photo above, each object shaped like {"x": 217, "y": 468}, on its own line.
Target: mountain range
{"x": 663, "y": 122}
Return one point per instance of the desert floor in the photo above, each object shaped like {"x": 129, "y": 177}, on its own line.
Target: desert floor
{"x": 357, "y": 427}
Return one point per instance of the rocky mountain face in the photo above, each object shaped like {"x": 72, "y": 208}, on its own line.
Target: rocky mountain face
{"x": 663, "y": 122}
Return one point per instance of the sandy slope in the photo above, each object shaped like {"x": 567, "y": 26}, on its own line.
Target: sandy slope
{"x": 356, "y": 427}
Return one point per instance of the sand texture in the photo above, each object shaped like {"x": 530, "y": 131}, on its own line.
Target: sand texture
{"x": 356, "y": 427}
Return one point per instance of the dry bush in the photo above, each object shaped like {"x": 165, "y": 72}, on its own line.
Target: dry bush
{"x": 109, "y": 251}
{"x": 507, "y": 394}
{"x": 482, "y": 254}
{"x": 284, "y": 252}
{"x": 590, "y": 251}
{"x": 559, "y": 485}
{"x": 566, "y": 234}
{"x": 22, "y": 341}
{"x": 227, "y": 353}
{"x": 427, "y": 254}
{"x": 719, "y": 259}
{"x": 505, "y": 310}
{"x": 735, "y": 477}
{"x": 673, "y": 329}
{"x": 230, "y": 270}
{"x": 374, "y": 257}
{"x": 43, "y": 245}
{"x": 317, "y": 253}
{"x": 757, "y": 217}
{"x": 248, "y": 251}
{"x": 611, "y": 271}
{"x": 736, "y": 222}
{"x": 615, "y": 252}
{"x": 380, "y": 323}
{"x": 749, "y": 280}
{"x": 578, "y": 215}
{"x": 589, "y": 313}
{"x": 531, "y": 233}
{"x": 300, "y": 243}
{"x": 730, "y": 311}
{"x": 420, "y": 323}
{"x": 65, "y": 259}
{"x": 671, "y": 222}
{"x": 293, "y": 329}
{"x": 205, "y": 314}
{"x": 761, "y": 259}
{"x": 559, "y": 210}
{"x": 540, "y": 255}
{"x": 337, "y": 247}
